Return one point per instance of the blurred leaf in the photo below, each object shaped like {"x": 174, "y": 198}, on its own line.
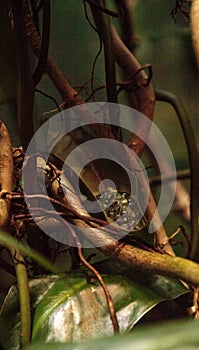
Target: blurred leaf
{"x": 73, "y": 308}
{"x": 172, "y": 336}
{"x": 10, "y": 310}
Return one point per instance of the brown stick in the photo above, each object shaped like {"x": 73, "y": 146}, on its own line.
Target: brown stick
{"x": 143, "y": 94}
{"x": 6, "y": 174}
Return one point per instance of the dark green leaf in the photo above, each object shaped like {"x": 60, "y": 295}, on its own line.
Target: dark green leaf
{"x": 73, "y": 308}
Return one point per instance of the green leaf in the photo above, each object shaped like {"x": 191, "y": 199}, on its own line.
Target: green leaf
{"x": 10, "y": 310}
{"x": 172, "y": 336}
{"x": 73, "y": 308}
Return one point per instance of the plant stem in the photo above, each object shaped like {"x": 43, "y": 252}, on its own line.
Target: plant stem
{"x": 24, "y": 297}
{"x": 143, "y": 98}
{"x": 6, "y": 174}
{"x": 8, "y": 241}
{"x": 194, "y": 16}
{"x": 194, "y": 166}
{"x": 41, "y": 66}
{"x": 125, "y": 7}
{"x": 162, "y": 264}
{"x": 103, "y": 27}
{"x": 25, "y": 85}
{"x": 103, "y": 24}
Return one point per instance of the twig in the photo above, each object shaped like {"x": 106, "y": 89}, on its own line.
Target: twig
{"x": 69, "y": 95}
{"x": 182, "y": 198}
{"x": 41, "y": 66}
{"x": 181, "y": 175}
{"x": 101, "y": 8}
{"x": 105, "y": 289}
{"x": 50, "y": 97}
{"x": 8, "y": 241}
{"x": 7, "y": 267}
{"x": 103, "y": 27}
{"x": 194, "y": 166}
{"x": 99, "y": 277}
{"x": 97, "y": 54}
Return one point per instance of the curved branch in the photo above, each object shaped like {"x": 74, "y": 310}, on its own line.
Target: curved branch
{"x": 41, "y": 66}
{"x": 194, "y": 166}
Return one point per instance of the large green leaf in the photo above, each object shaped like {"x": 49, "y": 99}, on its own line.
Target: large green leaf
{"x": 172, "y": 336}
{"x": 73, "y": 308}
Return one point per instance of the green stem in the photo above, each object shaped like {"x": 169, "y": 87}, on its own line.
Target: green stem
{"x": 24, "y": 297}
{"x": 162, "y": 264}
{"x": 11, "y": 242}
{"x": 194, "y": 166}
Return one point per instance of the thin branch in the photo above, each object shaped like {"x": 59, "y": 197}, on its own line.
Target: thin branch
{"x": 50, "y": 97}
{"x": 41, "y": 66}
{"x": 69, "y": 95}
{"x": 8, "y": 241}
{"x": 181, "y": 175}
{"x": 97, "y": 54}
{"x": 102, "y": 8}
{"x": 7, "y": 267}
{"x": 109, "y": 300}
{"x": 194, "y": 165}
{"x": 25, "y": 85}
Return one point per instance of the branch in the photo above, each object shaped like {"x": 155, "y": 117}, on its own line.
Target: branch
{"x": 6, "y": 174}
{"x": 128, "y": 255}
{"x": 103, "y": 25}
{"x": 144, "y": 98}
{"x": 195, "y": 28}
{"x": 25, "y": 85}
{"x": 194, "y": 166}
{"x": 41, "y": 66}
{"x": 69, "y": 95}
{"x": 24, "y": 297}
{"x": 144, "y": 102}
{"x": 102, "y": 8}
{"x": 10, "y": 242}
{"x": 161, "y": 264}
{"x": 125, "y": 8}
